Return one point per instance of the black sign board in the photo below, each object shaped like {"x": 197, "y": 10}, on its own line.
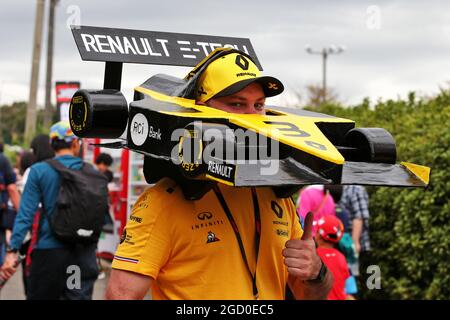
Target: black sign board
{"x": 151, "y": 47}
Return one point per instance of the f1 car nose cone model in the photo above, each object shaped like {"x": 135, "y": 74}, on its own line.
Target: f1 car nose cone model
{"x": 284, "y": 148}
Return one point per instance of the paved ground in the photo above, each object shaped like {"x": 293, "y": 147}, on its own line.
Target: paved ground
{"x": 13, "y": 289}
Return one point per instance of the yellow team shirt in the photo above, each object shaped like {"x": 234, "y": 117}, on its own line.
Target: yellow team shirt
{"x": 190, "y": 249}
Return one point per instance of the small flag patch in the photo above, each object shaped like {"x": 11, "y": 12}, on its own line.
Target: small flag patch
{"x": 125, "y": 259}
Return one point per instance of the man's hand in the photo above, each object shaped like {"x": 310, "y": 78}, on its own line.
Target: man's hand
{"x": 300, "y": 254}
{"x": 9, "y": 266}
{"x": 127, "y": 285}
{"x": 304, "y": 264}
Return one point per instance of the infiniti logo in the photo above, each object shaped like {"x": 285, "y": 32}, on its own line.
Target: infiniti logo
{"x": 204, "y": 215}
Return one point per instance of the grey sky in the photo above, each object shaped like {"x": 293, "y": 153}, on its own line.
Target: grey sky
{"x": 407, "y": 49}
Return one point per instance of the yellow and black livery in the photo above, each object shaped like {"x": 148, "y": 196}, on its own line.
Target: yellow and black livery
{"x": 314, "y": 148}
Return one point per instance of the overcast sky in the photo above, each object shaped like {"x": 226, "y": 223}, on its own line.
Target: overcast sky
{"x": 392, "y": 47}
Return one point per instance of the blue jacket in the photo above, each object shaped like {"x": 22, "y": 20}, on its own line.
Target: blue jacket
{"x": 42, "y": 186}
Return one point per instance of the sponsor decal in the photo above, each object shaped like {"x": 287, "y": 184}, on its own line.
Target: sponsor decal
{"x": 77, "y": 99}
{"x": 122, "y": 45}
{"x": 170, "y": 190}
{"x": 126, "y": 238}
{"x": 282, "y": 233}
{"x": 139, "y": 129}
{"x": 141, "y": 205}
{"x": 199, "y": 226}
{"x": 276, "y": 208}
{"x": 281, "y": 223}
{"x": 190, "y": 162}
{"x": 222, "y": 171}
{"x": 204, "y": 215}
{"x": 242, "y": 62}
{"x": 272, "y": 86}
{"x": 77, "y": 113}
{"x": 211, "y": 237}
{"x": 242, "y": 74}
{"x": 124, "y": 235}
{"x": 124, "y": 259}
{"x": 152, "y": 47}
{"x": 135, "y": 219}
{"x": 291, "y": 130}
{"x": 154, "y": 134}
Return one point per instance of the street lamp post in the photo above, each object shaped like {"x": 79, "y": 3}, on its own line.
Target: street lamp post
{"x": 325, "y": 52}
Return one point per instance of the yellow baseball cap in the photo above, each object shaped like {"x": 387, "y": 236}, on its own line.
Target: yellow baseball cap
{"x": 231, "y": 73}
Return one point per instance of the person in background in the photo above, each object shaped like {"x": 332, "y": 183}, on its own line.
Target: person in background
{"x": 41, "y": 150}
{"x": 346, "y": 245}
{"x": 329, "y": 232}
{"x": 103, "y": 163}
{"x": 8, "y": 192}
{"x": 355, "y": 201}
{"x": 315, "y": 199}
{"x": 51, "y": 257}
{"x": 27, "y": 159}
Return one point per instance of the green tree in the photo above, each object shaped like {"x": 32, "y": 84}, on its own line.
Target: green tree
{"x": 409, "y": 227}
{"x": 12, "y": 123}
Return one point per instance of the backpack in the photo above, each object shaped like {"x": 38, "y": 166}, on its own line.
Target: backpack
{"x": 347, "y": 247}
{"x": 81, "y": 204}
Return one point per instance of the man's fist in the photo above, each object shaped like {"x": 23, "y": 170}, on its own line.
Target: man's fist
{"x": 300, "y": 255}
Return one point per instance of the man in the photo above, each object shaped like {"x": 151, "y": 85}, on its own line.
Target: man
{"x": 51, "y": 257}
{"x": 230, "y": 243}
{"x": 103, "y": 162}
{"x": 355, "y": 200}
{"x": 8, "y": 190}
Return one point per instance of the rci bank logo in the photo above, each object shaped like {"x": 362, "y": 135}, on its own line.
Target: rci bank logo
{"x": 139, "y": 129}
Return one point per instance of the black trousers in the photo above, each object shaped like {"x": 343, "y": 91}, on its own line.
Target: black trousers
{"x": 67, "y": 273}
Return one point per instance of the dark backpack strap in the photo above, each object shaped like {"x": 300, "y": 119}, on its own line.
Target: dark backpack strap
{"x": 89, "y": 168}
{"x": 42, "y": 215}
{"x": 59, "y": 167}
{"x": 55, "y": 164}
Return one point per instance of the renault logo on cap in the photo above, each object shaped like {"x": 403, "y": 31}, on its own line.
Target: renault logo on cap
{"x": 242, "y": 62}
